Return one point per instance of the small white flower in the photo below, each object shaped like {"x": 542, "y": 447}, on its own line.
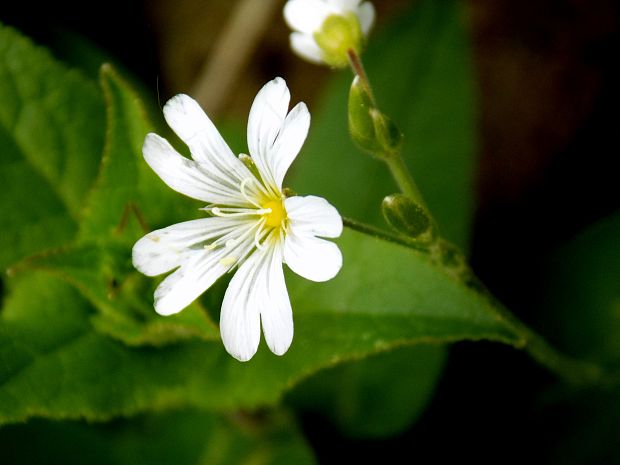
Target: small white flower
{"x": 253, "y": 226}
{"x": 326, "y": 29}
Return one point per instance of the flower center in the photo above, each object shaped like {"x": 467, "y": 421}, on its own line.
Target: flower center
{"x": 277, "y": 215}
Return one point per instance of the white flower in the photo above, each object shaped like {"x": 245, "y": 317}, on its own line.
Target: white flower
{"x": 253, "y": 226}
{"x": 326, "y": 29}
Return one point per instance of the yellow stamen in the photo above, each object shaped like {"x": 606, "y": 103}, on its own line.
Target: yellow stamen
{"x": 277, "y": 215}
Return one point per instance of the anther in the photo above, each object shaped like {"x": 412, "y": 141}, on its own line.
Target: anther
{"x": 227, "y": 261}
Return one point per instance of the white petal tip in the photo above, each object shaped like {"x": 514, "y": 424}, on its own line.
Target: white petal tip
{"x": 167, "y": 309}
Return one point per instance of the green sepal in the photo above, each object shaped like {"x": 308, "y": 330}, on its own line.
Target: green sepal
{"x": 371, "y": 130}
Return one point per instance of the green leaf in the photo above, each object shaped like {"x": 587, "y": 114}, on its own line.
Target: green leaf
{"x": 583, "y": 301}
{"x": 51, "y": 133}
{"x": 581, "y": 311}
{"x": 126, "y": 185}
{"x": 105, "y": 276}
{"x": 180, "y": 438}
{"x": 126, "y": 192}
{"x": 57, "y": 366}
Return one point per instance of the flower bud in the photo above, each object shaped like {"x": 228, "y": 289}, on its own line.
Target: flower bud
{"x": 338, "y": 35}
{"x": 370, "y": 129}
{"x": 406, "y": 216}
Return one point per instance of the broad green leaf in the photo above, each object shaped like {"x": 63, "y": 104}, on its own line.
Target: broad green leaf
{"x": 582, "y": 313}
{"x": 90, "y": 375}
{"x": 179, "y": 438}
{"x": 106, "y": 277}
{"x": 51, "y": 133}
{"x": 426, "y": 87}
{"x": 126, "y": 185}
{"x": 583, "y": 301}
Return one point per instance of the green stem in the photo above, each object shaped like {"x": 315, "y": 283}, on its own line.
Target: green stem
{"x": 395, "y": 162}
{"x": 573, "y": 371}
{"x": 382, "y": 234}
{"x": 404, "y": 180}
{"x": 358, "y": 69}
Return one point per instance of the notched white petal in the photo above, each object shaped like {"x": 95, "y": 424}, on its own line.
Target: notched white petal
{"x": 289, "y": 141}
{"x": 188, "y": 120}
{"x": 276, "y": 312}
{"x": 312, "y": 258}
{"x": 165, "y": 249}
{"x": 312, "y": 215}
{"x": 187, "y": 283}
{"x": 266, "y": 118}
{"x": 186, "y": 176}
{"x": 240, "y": 315}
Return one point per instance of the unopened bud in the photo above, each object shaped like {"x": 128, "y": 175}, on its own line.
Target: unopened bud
{"x": 371, "y": 130}
{"x": 406, "y": 216}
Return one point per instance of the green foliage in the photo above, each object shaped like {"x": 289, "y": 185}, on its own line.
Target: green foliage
{"x": 51, "y": 134}
{"x": 583, "y": 300}
{"x": 366, "y": 399}
{"x": 180, "y": 438}
{"x": 582, "y": 311}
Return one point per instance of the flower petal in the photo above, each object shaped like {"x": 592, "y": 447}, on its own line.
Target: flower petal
{"x": 164, "y": 249}
{"x": 312, "y": 215}
{"x": 194, "y": 277}
{"x": 366, "y": 16}
{"x": 312, "y": 258}
{"x": 306, "y": 15}
{"x": 276, "y": 312}
{"x": 207, "y": 146}
{"x": 289, "y": 141}
{"x": 240, "y": 314}
{"x": 257, "y": 291}
{"x": 186, "y": 176}
{"x": 265, "y": 122}
{"x": 306, "y": 47}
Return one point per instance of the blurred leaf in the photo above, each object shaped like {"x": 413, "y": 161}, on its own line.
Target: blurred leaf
{"x": 426, "y": 87}
{"x": 179, "y": 438}
{"x": 89, "y": 375}
{"x": 51, "y": 133}
{"x": 377, "y": 397}
{"x": 583, "y": 300}
{"x": 582, "y": 312}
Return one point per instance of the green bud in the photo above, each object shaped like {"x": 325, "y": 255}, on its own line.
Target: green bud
{"x": 406, "y": 216}
{"x": 337, "y": 35}
{"x": 370, "y": 129}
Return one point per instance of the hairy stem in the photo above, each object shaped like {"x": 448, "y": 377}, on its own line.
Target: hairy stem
{"x": 382, "y": 234}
